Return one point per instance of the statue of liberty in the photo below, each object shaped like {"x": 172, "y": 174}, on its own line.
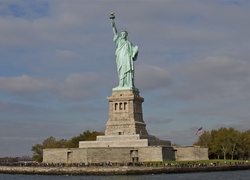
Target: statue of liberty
{"x": 126, "y": 54}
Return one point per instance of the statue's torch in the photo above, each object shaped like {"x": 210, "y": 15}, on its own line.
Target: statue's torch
{"x": 112, "y": 16}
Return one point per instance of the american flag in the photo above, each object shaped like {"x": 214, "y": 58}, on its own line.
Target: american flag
{"x": 198, "y": 131}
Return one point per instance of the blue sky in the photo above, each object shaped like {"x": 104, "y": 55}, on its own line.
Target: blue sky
{"x": 58, "y": 67}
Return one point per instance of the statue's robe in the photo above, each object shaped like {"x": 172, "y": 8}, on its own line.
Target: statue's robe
{"x": 125, "y": 53}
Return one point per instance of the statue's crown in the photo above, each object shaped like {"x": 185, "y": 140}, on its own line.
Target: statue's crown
{"x": 124, "y": 30}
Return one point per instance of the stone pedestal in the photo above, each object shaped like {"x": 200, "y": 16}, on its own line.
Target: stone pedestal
{"x": 125, "y": 126}
{"x": 115, "y": 141}
{"x": 125, "y": 114}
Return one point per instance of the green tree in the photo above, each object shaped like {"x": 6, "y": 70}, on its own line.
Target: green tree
{"x": 37, "y": 152}
{"x": 223, "y": 140}
{"x": 50, "y": 142}
{"x": 204, "y": 139}
{"x": 226, "y": 143}
{"x": 244, "y": 144}
{"x": 85, "y": 136}
{"x": 247, "y": 143}
{"x": 215, "y": 146}
{"x": 234, "y": 142}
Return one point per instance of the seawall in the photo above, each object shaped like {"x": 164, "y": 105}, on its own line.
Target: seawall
{"x": 114, "y": 170}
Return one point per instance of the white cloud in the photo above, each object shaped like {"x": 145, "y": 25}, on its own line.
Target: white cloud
{"x": 214, "y": 87}
{"x": 16, "y": 32}
{"x": 152, "y": 77}
{"x": 26, "y": 85}
{"x": 78, "y": 86}
{"x": 74, "y": 87}
{"x": 218, "y": 79}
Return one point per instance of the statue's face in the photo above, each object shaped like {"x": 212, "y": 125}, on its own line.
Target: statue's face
{"x": 124, "y": 35}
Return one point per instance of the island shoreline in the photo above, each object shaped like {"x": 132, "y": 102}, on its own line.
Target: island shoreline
{"x": 114, "y": 170}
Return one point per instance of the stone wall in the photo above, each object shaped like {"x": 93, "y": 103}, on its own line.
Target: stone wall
{"x": 124, "y": 154}
{"x": 95, "y": 155}
{"x": 58, "y": 155}
{"x": 156, "y": 153}
{"x": 191, "y": 153}
{"x": 114, "y": 154}
{"x": 65, "y": 155}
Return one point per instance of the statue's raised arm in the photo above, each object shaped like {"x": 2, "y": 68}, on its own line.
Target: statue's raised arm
{"x": 112, "y": 18}
{"x": 125, "y": 53}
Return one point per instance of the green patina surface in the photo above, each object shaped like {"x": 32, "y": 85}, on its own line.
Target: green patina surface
{"x": 126, "y": 53}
